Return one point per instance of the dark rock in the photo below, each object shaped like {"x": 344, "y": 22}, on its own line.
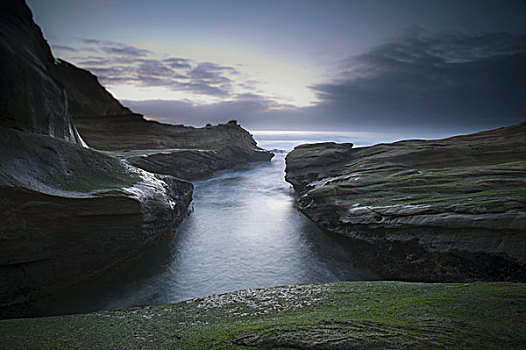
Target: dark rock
{"x": 193, "y": 164}
{"x": 181, "y": 151}
{"x": 176, "y": 150}
{"x": 448, "y": 210}
{"x": 31, "y": 98}
{"x": 86, "y": 97}
{"x": 67, "y": 212}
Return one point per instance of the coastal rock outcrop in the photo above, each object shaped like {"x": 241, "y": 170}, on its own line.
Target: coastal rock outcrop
{"x": 178, "y": 150}
{"x": 439, "y": 210}
{"x": 67, "y": 212}
{"x": 183, "y": 151}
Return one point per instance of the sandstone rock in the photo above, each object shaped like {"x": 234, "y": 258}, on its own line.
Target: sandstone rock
{"x": 451, "y": 209}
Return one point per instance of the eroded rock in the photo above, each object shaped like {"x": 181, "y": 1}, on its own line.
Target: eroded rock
{"x": 67, "y": 212}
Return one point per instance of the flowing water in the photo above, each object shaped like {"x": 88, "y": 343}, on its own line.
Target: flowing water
{"x": 244, "y": 232}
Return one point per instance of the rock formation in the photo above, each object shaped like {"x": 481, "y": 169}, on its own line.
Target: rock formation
{"x": 67, "y": 212}
{"x": 439, "y": 210}
{"x": 182, "y": 151}
{"x": 186, "y": 152}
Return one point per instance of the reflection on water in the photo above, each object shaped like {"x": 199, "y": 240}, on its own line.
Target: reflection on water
{"x": 243, "y": 233}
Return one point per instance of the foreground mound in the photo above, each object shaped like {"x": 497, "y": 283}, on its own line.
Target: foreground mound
{"x": 349, "y": 315}
{"x": 449, "y": 210}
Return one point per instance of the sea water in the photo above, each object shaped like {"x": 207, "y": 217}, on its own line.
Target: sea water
{"x": 244, "y": 232}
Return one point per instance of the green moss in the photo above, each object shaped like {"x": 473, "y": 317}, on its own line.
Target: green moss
{"x": 87, "y": 182}
{"x": 491, "y": 186}
{"x": 28, "y": 133}
{"x": 95, "y": 171}
{"x": 391, "y": 315}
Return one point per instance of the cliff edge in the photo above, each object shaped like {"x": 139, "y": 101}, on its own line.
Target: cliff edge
{"x": 67, "y": 212}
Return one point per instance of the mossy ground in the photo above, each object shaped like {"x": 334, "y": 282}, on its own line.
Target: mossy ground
{"x": 371, "y": 315}
{"x": 96, "y": 171}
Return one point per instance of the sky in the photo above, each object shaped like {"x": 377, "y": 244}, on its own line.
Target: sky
{"x": 449, "y": 65}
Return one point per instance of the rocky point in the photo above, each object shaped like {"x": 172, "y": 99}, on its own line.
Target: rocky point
{"x": 439, "y": 210}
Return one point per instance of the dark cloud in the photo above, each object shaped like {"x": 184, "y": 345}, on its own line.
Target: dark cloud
{"x": 222, "y": 90}
{"x": 155, "y": 68}
{"x": 204, "y": 78}
{"x": 440, "y": 79}
{"x": 92, "y": 61}
{"x": 64, "y": 48}
{"x": 114, "y": 48}
{"x": 129, "y": 64}
{"x": 90, "y": 41}
{"x": 211, "y": 72}
{"x": 125, "y": 50}
{"x": 449, "y": 83}
{"x": 185, "y": 112}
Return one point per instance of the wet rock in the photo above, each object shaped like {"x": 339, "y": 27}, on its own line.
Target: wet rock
{"x": 193, "y": 164}
{"x": 448, "y": 210}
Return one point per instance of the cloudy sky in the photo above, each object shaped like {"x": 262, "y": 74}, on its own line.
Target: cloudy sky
{"x": 449, "y": 65}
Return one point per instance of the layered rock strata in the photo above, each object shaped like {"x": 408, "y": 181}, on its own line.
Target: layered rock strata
{"x": 439, "y": 210}
{"x": 67, "y": 212}
{"x": 186, "y": 152}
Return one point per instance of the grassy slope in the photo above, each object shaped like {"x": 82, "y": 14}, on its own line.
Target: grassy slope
{"x": 341, "y": 315}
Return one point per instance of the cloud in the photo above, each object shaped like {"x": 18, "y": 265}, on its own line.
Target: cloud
{"x": 64, "y": 48}
{"x": 178, "y": 63}
{"x": 449, "y": 82}
{"x": 156, "y": 68}
{"x": 114, "y": 48}
{"x": 422, "y": 79}
{"x": 91, "y": 60}
{"x": 125, "y": 50}
{"x": 177, "y": 112}
{"x": 90, "y": 41}
{"x": 139, "y": 67}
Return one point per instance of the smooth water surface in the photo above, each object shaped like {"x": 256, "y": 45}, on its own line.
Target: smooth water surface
{"x": 244, "y": 232}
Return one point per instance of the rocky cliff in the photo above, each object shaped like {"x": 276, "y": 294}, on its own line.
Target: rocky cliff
{"x": 182, "y": 151}
{"x": 439, "y": 210}
{"x": 31, "y": 99}
{"x": 67, "y": 212}
{"x": 186, "y": 152}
